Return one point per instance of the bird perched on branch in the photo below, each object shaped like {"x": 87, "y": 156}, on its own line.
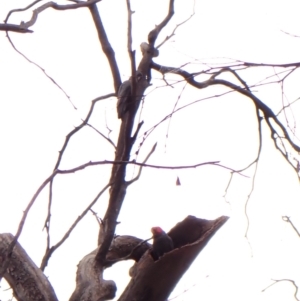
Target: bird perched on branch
{"x": 124, "y": 95}
{"x": 162, "y": 243}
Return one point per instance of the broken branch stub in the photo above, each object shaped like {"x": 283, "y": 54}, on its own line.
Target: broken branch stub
{"x": 154, "y": 281}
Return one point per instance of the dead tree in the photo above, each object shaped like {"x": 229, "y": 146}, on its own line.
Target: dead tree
{"x": 151, "y": 280}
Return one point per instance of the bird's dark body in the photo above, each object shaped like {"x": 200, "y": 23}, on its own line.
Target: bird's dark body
{"x": 162, "y": 243}
{"x": 124, "y": 95}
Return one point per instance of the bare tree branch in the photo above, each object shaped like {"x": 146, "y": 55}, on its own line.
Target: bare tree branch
{"x": 288, "y": 220}
{"x": 43, "y": 7}
{"x": 124, "y": 146}
{"x": 51, "y": 250}
{"x": 176, "y": 27}
{"x": 24, "y": 277}
{"x": 15, "y": 28}
{"x": 61, "y": 152}
{"x": 102, "y": 135}
{"x": 140, "y": 169}
{"x": 95, "y": 163}
{"x": 43, "y": 70}
{"x": 281, "y": 280}
{"x": 106, "y": 47}
{"x": 268, "y": 113}
{"x": 155, "y": 32}
{"x": 79, "y": 127}
{"x": 290, "y": 34}
{"x": 20, "y": 9}
{"x": 129, "y": 45}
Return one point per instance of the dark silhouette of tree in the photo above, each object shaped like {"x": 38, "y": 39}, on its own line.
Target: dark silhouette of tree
{"x": 150, "y": 279}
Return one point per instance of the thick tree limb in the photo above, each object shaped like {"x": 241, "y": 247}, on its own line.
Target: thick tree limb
{"x": 155, "y": 280}
{"x": 90, "y": 284}
{"x": 24, "y": 277}
{"x": 151, "y": 280}
{"x": 125, "y": 141}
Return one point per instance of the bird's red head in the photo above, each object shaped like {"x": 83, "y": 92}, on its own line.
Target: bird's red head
{"x": 157, "y": 230}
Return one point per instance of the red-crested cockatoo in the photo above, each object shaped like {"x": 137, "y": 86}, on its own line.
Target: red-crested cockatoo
{"x": 162, "y": 243}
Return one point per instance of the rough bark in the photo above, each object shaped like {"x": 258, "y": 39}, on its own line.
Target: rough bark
{"x": 90, "y": 285}
{"x": 151, "y": 280}
{"x": 155, "y": 280}
{"x": 24, "y": 277}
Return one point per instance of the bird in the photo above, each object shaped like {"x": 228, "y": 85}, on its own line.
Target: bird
{"x": 124, "y": 95}
{"x": 162, "y": 243}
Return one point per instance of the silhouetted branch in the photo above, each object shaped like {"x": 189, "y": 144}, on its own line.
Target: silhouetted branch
{"x": 102, "y": 135}
{"x": 267, "y": 112}
{"x": 43, "y": 7}
{"x": 61, "y": 152}
{"x": 15, "y": 28}
{"x": 51, "y": 250}
{"x": 288, "y": 280}
{"x": 288, "y": 220}
{"x": 20, "y": 9}
{"x": 126, "y": 141}
{"x": 43, "y": 70}
{"x": 155, "y": 32}
{"x": 106, "y": 47}
{"x": 83, "y": 166}
{"x": 79, "y": 127}
{"x": 129, "y": 45}
{"x": 140, "y": 169}
{"x": 176, "y": 27}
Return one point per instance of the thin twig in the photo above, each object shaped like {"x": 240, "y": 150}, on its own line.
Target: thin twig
{"x": 288, "y": 280}
{"x": 102, "y": 135}
{"x": 155, "y": 32}
{"x": 176, "y": 27}
{"x": 141, "y": 167}
{"x": 43, "y": 70}
{"x": 61, "y": 153}
{"x": 79, "y": 127}
{"x": 20, "y": 9}
{"x": 50, "y": 251}
{"x": 288, "y": 220}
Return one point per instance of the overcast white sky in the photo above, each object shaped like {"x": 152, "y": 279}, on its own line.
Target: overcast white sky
{"x": 35, "y": 117}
